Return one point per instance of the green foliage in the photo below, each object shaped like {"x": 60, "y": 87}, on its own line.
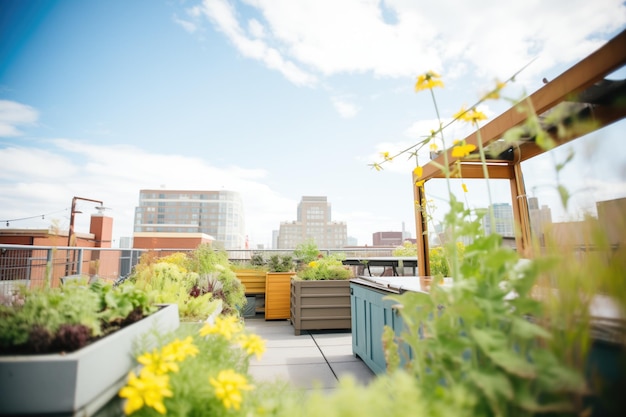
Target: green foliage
{"x": 197, "y": 282}
{"x": 438, "y": 255}
{"x": 280, "y": 263}
{"x": 479, "y": 335}
{"x": 256, "y": 262}
{"x": 398, "y": 394}
{"x": 204, "y": 259}
{"x": 406, "y": 249}
{"x": 306, "y": 252}
{"x": 47, "y": 313}
{"x": 323, "y": 268}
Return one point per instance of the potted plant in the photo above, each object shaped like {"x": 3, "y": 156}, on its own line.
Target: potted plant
{"x": 277, "y": 286}
{"x": 66, "y": 350}
{"x": 320, "y": 295}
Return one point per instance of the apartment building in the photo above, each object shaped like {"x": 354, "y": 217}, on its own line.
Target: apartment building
{"x": 204, "y": 216}
{"x": 314, "y": 222}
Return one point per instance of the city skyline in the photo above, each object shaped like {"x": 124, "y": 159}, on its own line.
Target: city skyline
{"x": 101, "y": 99}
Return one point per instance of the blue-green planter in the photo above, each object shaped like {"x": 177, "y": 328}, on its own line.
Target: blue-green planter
{"x": 78, "y": 382}
{"x": 370, "y": 313}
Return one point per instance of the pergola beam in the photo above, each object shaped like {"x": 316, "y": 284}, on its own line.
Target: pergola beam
{"x": 566, "y": 87}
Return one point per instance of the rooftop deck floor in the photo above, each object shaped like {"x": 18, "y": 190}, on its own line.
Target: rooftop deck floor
{"x": 315, "y": 359}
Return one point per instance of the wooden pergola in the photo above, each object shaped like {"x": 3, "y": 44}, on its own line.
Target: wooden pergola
{"x": 579, "y": 94}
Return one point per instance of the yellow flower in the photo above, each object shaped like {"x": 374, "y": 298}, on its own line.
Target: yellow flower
{"x": 433, "y": 147}
{"x": 228, "y": 386}
{"x": 464, "y": 187}
{"x": 418, "y": 171}
{"x": 461, "y": 151}
{"x": 472, "y": 115}
{"x": 313, "y": 264}
{"x": 495, "y": 93}
{"x": 252, "y": 344}
{"x": 155, "y": 362}
{"x": 148, "y": 389}
{"x": 428, "y": 81}
{"x": 226, "y": 327}
{"x": 386, "y": 156}
{"x": 178, "y": 350}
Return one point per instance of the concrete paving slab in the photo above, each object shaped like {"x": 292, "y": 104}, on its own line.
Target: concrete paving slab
{"x": 339, "y": 353}
{"x": 330, "y": 339}
{"x": 303, "y": 376}
{"x": 290, "y": 355}
{"x": 358, "y": 370}
{"x": 315, "y": 359}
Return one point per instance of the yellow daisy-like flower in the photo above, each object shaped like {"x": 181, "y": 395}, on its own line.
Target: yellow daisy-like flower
{"x": 313, "y": 264}
{"x": 428, "y": 81}
{"x": 228, "y": 386}
{"x": 433, "y": 147}
{"x": 461, "y": 151}
{"x": 179, "y": 350}
{"x": 157, "y": 363}
{"x": 148, "y": 389}
{"x": 252, "y": 344}
{"x": 386, "y": 156}
{"x": 495, "y": 93}
{"x": 226, "y": 327}
{"x": 472, "y": 115}
{"x": 418, "y": 171}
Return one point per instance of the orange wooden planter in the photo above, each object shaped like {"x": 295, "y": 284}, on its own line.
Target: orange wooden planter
{"x": 253, "y": 280}
{"x": 278, "y": 295}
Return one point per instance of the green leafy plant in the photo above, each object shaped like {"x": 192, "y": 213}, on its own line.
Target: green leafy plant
{"x": 198, "y": 370}
{"x": 257, "y": 262}
{"x": 45, "y": 320}
{"x": 306, "y": 252}
{"x": 439, "y": 258}
{"x": 280, "y": 263}
{"x": 198, "y": 282}
{"x": 325, "y": 268}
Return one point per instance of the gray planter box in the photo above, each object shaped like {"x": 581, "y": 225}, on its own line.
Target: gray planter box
{"x": 320, "y": 305}
{"x": 77, "y": 382}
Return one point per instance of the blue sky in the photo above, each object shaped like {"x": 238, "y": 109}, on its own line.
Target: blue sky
{"x": 275, "y": 99}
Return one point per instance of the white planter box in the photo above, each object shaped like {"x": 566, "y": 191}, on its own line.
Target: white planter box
{"x": 79, "y": 381}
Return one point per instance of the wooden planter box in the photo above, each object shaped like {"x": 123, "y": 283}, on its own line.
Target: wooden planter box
{"x": 320, "y": 305}
{"x": 277, "y": 299}
{"x": 80, "y": 381}
{"x": 253, "y": 280}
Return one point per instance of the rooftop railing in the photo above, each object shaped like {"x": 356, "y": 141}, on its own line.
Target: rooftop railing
{"x": 38, "y": 266}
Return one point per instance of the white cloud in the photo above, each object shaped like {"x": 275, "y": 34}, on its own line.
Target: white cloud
{"x": 114, "y": 174}
{"x": 488, "y": 37}
{"x": 12, "y": 115}
{"x": 189, "y": 27}
{"x": 221, "y": 13}
{"x": 345, "y": 108}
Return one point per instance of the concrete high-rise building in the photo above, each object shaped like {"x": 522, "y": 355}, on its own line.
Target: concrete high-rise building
{"x": 503, "y": 215}
{"x": 313, "y": 222}
{"x": 218, "y": 214}
{"x": 540, "y": 217}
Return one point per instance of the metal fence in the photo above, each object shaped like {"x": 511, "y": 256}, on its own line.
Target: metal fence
{"x": 37, "y": 266}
